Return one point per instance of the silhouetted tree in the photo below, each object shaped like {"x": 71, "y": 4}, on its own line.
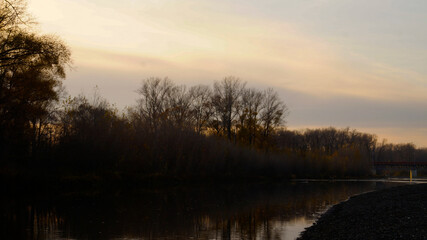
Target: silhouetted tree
{"x": 179, "y": 107}
{"x": 201, "y": 107}
{"x": 154, "y": 102}
{"x": 31, "y": 69}
{"x": 225, "y": 101}
{"x": 249, "y": 116}
{"x": 92, "y": 135}
{"x": 273, "y": 114}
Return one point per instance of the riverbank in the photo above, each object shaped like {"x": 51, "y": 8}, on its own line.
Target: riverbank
{"x": 395, "y": 213}
{"x": 121, "y": 181}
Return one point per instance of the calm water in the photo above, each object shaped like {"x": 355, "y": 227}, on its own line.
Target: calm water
{"x": 263, "y": 211}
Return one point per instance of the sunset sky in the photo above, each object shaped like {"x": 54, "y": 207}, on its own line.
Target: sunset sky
{"x": 359, "y": 64}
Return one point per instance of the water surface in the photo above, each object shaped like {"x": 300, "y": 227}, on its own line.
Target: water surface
{"x": 256, "y": 211}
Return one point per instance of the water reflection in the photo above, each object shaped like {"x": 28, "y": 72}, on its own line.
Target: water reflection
{"x": 261, "y": 211}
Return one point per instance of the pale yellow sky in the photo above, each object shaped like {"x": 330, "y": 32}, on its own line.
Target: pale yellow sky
{"x": 116, "y": 44}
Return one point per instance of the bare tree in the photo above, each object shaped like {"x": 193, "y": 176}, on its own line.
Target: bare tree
{"x": 179, "y": 110}
{"x": 249, "y": 114}
{"x": 201, "y": 106}
{"x": 273, "y": 112}
{"x": 225, "y": 101}
{"x": 13, "y": 15}
{"x": 154, "y": 101}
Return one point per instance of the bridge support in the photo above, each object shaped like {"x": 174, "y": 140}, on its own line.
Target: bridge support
{"x": 412, "y": 173}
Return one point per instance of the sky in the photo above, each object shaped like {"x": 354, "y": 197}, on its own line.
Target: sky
{"x": 359, "y": 64}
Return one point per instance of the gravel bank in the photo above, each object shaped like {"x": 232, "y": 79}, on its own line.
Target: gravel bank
{"x": 395, "y": 213}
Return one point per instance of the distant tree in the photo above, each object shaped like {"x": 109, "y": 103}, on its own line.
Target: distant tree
{"x": 179, "y": 107}
{"x": 421, "y": 155}
{"x": 31, "y": 69}
{"x": 249, "y": 115}
{"x": 273, "y": 112}
{"x": 406, "y": 152}
{"x": 201, "y": 107}
{"x": 154, "y": 102}
{"x": 225, "y": 101}
{"x": 92, "y": 135}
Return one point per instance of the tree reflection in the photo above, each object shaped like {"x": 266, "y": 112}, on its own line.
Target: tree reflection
{"x": 234, "y": 212}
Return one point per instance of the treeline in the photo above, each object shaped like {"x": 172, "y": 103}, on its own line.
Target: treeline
{"x": 387, "y": 152}
{"x": 221, "y": 131}
{"x": 190, "y": 133}
{"x": 331, "y": 152}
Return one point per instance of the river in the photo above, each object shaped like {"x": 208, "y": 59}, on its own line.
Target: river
{"x": 256, "y": 211}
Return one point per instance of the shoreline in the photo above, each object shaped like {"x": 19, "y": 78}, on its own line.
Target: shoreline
{"x": 394, "y": 213}
{"x": 121, "y": 182}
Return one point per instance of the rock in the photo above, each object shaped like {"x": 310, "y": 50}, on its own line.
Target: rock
{"x": 395, "y": 213}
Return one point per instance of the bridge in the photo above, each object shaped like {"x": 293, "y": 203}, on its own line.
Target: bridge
{"x": 413, "y": 166}
{"x": 401, "y": 164}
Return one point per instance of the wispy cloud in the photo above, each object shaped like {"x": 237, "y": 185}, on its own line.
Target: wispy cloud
{"x": 197, "y": 41}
